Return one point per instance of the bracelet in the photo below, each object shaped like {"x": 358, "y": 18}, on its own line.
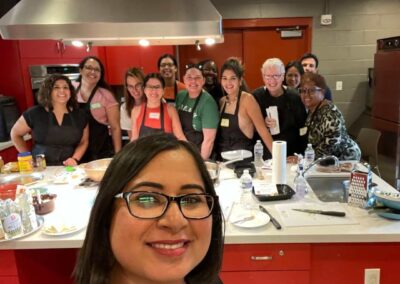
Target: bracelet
{"x": 75, "y": 159}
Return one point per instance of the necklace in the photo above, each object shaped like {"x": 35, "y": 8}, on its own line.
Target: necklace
{"x": 229, "y": 101}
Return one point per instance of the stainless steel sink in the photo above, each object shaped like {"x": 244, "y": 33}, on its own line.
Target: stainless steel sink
{"x": 330, "y": 189}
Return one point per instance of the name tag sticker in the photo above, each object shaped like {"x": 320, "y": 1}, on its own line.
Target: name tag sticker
{"x": 95, "y": 105}
{"x": 154, "y": 115}
{"x": 303, "y": 131}
{"x": 225, "y": 122}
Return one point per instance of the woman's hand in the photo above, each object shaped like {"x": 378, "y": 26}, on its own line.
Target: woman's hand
{"x": 270, "y": 122}
{"x": 70, "y": 162}
{"x": 292, "y": 159}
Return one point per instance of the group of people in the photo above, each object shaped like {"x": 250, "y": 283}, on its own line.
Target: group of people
{"x": 82, "y": 121}
{"x": 147, "y": 238}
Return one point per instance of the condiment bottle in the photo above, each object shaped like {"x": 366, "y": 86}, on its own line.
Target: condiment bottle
{"x": 25, "y": 162}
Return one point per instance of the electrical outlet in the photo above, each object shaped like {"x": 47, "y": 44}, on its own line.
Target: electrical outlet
{"x": 339, "y": 85}
{"x": 372, "y": 276}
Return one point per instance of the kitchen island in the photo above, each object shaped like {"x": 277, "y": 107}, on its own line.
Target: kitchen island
{"x": 326, "y": 253}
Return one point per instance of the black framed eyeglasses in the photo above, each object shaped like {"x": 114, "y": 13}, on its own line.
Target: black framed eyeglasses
{"x": 153, "y": 205}
{"x": 310, "y": 91}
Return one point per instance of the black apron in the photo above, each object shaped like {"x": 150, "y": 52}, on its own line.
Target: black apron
{"x": 100, "y": 142}
{"x": 231, "y": 137}
{"x": 145, "y": 130}
{"x": 186, "y": 118}
{"x": 69, "y": 134}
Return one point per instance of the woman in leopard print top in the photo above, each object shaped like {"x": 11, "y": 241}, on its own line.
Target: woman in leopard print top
{"x": 325, "y": 125}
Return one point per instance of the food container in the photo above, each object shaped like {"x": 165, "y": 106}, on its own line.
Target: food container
{"x": 95, "y": 169}
{"x": 25, "y": 162}
{"x": 44, "y": 204}
{"x": 8, "y": 191}
{"x": 213, "y": 170}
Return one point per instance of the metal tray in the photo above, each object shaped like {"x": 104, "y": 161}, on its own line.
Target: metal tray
{"x": 21, "y": 178}
{"x": 40, "y": 221}
{"x": 284, "y": 192}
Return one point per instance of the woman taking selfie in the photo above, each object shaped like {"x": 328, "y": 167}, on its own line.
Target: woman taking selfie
{"x": 147, "y": 228}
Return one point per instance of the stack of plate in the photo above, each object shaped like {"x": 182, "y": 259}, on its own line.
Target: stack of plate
{"x": 392, "y": 201}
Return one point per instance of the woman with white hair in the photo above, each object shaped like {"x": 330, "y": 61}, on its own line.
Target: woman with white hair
{"x": 291, "y": 111}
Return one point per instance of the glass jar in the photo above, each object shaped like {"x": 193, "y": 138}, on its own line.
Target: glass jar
{"x": 25, "y": 162}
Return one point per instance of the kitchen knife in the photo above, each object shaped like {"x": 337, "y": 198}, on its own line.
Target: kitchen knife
{"x": 273, "y": 220}
{"x": 329, "y": 213}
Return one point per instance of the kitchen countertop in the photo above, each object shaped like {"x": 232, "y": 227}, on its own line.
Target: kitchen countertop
{"x": 366, "y": 227}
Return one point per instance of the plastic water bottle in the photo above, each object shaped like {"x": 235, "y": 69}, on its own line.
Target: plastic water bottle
{"x": 300, "y": 182}
{"x": 246, "y": 184}
{"x": 258, "y": 154}
{"x": 309, "y": 155}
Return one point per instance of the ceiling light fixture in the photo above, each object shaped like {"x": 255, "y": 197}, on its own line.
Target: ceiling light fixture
{"x": 144, "y": 42}
{"x": 210, "y": 41}
{"x": 77, "y": 43}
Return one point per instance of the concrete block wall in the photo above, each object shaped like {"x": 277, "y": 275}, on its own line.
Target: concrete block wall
{"x": 346, "y": 48}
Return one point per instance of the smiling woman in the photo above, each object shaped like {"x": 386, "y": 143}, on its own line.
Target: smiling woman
{"x": 58, "y": 126}
{"x": 147, "y": 228}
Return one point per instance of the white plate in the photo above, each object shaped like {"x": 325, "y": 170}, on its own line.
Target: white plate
{"x": 236, "y": 154}
{"x": 260, "y": 219}
{"x": 40, "y": 222}
{"x": 72, "y": 228}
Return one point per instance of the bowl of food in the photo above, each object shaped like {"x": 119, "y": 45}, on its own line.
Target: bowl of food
{"x": 95, "y": 169}
{"x": 44, "y": 203}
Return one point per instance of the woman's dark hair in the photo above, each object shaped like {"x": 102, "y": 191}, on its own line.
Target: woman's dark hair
{"x": 129, "y": 100}
{"x": 315, "y": 78}
{"x": 236, "y": 67}
{"x": 295, "y": 64}
{"x": 96, "y": 259}
{"x": 167, "y": 55}
{"x": 154, "y": 76}
{"x": 44, "y": 94}
{"x": 102, "y": 82}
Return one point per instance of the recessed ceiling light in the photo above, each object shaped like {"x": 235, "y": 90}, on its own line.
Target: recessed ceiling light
{"x": 144, "y": 42}
{"x": 210, "y": 41}
{"x": 77, "y": 43}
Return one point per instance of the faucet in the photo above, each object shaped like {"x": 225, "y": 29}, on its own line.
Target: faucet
{"x": 317, "y": 161}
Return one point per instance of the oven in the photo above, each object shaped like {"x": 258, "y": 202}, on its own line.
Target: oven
{"x": 39, "y": 73}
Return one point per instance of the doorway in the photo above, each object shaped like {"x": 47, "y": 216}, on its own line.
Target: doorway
{"x": 254, "y": 41}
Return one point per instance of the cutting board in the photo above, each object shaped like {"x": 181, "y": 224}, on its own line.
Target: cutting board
{"x": 291, "y": 218}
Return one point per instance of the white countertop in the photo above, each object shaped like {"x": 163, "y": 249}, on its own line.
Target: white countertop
{"x": 366, "y": 227}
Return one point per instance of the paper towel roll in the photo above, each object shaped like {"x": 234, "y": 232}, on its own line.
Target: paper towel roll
{"x": 279, "y": 162}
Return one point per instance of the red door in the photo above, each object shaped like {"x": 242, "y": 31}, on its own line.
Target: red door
{"x": 253, "y": 41}
{"x": 259, "y": 45}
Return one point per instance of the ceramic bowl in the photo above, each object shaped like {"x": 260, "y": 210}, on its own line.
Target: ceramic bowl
{"x": 46, "y": 205}
{"x": 95, "y": 169}
{"x": 389, "y": 199}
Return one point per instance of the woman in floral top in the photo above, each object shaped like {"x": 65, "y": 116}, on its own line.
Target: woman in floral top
{"x": 325, "y": 126}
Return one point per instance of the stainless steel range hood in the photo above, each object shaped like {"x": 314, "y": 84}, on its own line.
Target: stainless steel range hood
{"x": 114, "y": 22}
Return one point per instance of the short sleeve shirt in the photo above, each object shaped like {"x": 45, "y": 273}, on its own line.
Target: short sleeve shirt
{"x": 206, "y": 114}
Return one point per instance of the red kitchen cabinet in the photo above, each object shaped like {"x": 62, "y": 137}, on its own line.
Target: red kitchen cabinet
{"x": 255, "y": 263}
{"x": 8, "y": 271}
{"x": 346, "y": 263}
{"x": 9, "y": 154}
{"x": 120, "y": 58}
{"x": 52, "y": 49}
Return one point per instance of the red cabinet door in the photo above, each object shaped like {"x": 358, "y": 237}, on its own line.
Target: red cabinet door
{"x": 53, "y": 49}
{"x": 39, "y": 49}
{"x": 263, "y": 277}
{"x": 120, "y": 58}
